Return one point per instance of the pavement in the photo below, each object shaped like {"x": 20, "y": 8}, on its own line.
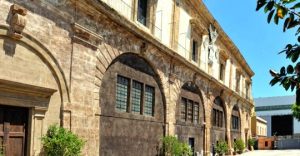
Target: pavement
{"x": 272, "y": 153}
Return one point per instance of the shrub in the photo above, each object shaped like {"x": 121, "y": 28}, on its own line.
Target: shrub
{"x": 1, "y": 151}
{"x": 251, "y": 142}
{"x": 239, "y": 145}
{"x": 171, "y": 146}
{"x": 221, "y": 147}
{"x": 61, "y": 142}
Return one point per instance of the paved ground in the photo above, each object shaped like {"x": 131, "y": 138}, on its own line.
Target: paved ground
{"x": 272, "y": 153}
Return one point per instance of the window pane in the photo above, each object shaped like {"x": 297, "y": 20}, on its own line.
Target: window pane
{"x": 142, "y": 11}
{"x": 149, "y": 100}
{"x": 183, "y": 109}
{"x": 196, "y": 112}
{"x": 136, "y": 94}
{"x": 122, "y": 93}
{"x": 190, "y": 111}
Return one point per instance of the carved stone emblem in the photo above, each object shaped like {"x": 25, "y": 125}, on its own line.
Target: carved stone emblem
{"x": 210, "y": 45}
{"x": 17, "y": 21}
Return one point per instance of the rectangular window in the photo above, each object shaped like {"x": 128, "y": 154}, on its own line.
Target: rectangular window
{"x": 221, "y": 119}
{"x": 142, "y": 11}
{"x": 149, "y": 100}
{"x": 235, "y": 122}
{"x": 195, "y": 51}
{"x": 122, "y": 93}
{"x": 214, "y": 117}
{"x": 196, "y": 112}
{"x": 237, "y": 87}
{"x": 190, "y": 111}
{"x": 222, "y": 71}
{"x": 183, "y": 109}
{"x": 136, "y": 96}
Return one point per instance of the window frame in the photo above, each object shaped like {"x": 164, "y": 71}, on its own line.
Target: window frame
{"x": 130, "y": 93}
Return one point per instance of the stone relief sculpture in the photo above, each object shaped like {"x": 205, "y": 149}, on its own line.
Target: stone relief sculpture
{"x": 210, "y": 46}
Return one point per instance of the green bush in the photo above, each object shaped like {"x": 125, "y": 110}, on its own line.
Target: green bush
{"x": 221, "y": 147}
{"x": 251, "y": 142}
{"x": 1, "y": 151}
{"x": 239, "y": 146}
{"x": 61, "y": 142}
{"x": 171, "y": 146}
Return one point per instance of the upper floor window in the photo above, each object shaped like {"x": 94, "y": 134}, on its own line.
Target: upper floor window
{"x": 222, "y": 72}
{"x": 142, "y": 11}
{"x": 189, "y": 111}
{"x": 195, "y": 51}
{"x": 247, "y": 90}
{"x": 141, "y": 101}
{"x": 238, "y": 78}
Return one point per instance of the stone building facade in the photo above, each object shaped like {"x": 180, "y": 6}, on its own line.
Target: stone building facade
{"x": 121, "y": 74}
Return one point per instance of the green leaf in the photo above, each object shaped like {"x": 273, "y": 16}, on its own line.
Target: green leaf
{"x": 288, "y": 1}
{"x": 274, "y": 81}
{"x": 282, "y": 71}
{"x": 260, "y": 4}
{"x": 296, "y": 6}
{"x": 269, "y": 6}
{"x": 270, "y": 15}
{"x": 286, "y": 22}
{"x": 276, "y": 19}
{"x": 290, "y": 69}
{"x": 295, "y": 55}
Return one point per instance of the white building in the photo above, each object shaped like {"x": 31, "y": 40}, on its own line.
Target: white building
{"x": 277, "y": 112}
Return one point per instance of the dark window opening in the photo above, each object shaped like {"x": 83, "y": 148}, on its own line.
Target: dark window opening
{"x": 222, "y": 72}
{"x": 192, "y": 144}
{"x": 142, "y": 11}
{"x": 266, "y": 143}
{"x": 282, "y": 125}
{"x": 195, "y": 51}
{"x": 235, "y": 122}
{"x": 189, "y": 111}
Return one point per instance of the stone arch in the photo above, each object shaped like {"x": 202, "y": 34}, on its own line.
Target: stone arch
{"x": 41, "y": 90}
{"x": 235, "y": 133}
{"x": 45, "y": 55}
{"x": 125, "y": 124}
{"x": 190, "y": 116}
{"x": 218, "y": 120}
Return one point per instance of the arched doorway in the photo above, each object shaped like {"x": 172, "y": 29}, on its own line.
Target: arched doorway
{"x": 190, "y": 117}
{"x": 218, "y": 121}
{"x": 132, "y": 108}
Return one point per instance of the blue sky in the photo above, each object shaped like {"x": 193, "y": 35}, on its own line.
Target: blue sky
{"x": 258, "y": 41}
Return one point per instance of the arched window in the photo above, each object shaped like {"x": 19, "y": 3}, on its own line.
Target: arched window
{"x": 235, "y": 118}
{"x": 218, "y": 113}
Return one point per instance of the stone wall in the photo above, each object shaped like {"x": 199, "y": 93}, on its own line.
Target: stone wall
{"x": 75, "y": 62}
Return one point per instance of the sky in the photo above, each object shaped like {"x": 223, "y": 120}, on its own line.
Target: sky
{"x": 258, "y": 41}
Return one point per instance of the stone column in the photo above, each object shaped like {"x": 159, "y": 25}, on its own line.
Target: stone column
{"x": 37, "y": 129}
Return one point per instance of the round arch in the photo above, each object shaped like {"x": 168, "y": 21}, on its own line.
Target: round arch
{"x": 125, "y": 92}
{"x": 235, "y": 123}
{"x": 46, "y": 56}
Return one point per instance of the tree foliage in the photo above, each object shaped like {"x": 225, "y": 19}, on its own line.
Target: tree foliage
{"x": 239, "y": 146}
{"x": 288, "y": 76}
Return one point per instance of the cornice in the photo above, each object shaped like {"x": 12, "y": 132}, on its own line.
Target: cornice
{"x": 20, "y": 88}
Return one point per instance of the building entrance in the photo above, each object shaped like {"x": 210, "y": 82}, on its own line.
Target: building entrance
{"x": 13, "y": 130}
